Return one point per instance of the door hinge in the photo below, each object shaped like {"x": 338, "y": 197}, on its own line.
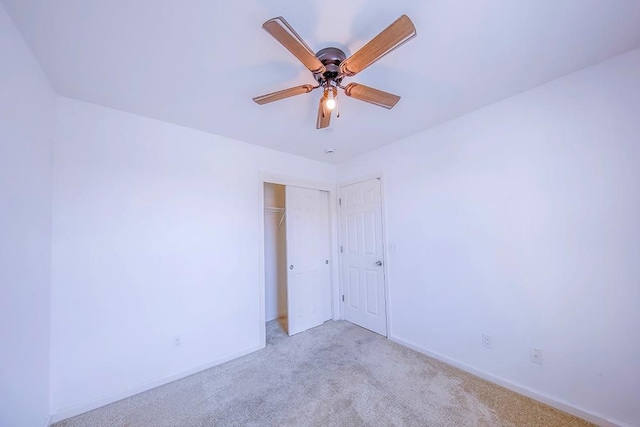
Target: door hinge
{"x": 340, "y": 202}
{"x": 342, "y": 298}
{"x": 341, "y": 250}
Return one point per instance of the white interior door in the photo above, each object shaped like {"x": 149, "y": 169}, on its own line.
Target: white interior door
{"x": 308, "y": 280}
{"x": 362, "y": 256}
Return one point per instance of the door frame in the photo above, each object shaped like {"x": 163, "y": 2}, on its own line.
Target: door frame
{"x": 331, "y": 188}
{"x": 385, "y": 248}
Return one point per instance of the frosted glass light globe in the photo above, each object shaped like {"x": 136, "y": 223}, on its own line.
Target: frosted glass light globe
{"x": 331, "y": 104}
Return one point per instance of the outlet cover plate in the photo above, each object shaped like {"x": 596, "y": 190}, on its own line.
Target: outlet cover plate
{"x": 535, "y": 355}
{"x": 487, "y": 340}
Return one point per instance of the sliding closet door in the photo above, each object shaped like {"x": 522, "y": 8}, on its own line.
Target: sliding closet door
{"x": 307, "y": 261}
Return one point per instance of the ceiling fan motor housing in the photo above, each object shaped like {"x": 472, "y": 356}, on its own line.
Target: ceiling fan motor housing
{"x": 331, "y": 58}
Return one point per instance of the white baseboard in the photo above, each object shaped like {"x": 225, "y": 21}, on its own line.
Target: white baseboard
{"x": 97, "y": 403}
{"x": 518, "y": 388}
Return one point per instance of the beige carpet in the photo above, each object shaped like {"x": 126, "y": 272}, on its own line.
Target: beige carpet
{"x": 336, "y": 374}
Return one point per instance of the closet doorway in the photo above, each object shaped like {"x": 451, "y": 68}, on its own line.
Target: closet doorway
{"x": 297, "y": 257}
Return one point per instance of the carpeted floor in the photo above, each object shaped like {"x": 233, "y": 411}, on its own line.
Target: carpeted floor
{"x": 337, "y": 374}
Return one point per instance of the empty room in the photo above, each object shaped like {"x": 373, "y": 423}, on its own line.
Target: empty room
{"x": 361, "y": 213}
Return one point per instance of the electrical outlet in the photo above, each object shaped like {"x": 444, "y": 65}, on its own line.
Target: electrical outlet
{"x": 177, "y": 341}
{"x": 535, "y": 355}
{"x": 487, "y": 340}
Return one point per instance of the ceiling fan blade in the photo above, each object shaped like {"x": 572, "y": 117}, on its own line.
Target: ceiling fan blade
{"x": 282, "y": 94}
{"x": 287, "y": 36}
{"x": 324, "y": 116}
{"x": 392, "y": 37}
{"x": 371, "y": 95}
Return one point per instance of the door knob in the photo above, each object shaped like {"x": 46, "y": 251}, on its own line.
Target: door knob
{"x": 378, "y": 263}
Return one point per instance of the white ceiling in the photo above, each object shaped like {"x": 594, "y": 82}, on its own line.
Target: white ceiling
{"x": 198, "y": 63}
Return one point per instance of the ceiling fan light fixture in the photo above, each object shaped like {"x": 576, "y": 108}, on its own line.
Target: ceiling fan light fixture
{"x": 331, "y": 103}
{"x": 329, "y": 97}
{"x": 330, "y": 65}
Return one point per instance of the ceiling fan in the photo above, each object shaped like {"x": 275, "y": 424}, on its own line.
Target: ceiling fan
{"x": 330, "y": 65}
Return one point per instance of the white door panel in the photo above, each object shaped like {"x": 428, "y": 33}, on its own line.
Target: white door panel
{"x": 325, "y": 250}
{"x": 308, "y": 280}
{"x": 362, "y": 256}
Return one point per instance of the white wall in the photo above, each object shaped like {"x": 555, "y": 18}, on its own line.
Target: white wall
{"x": 275, "y": 252}
{"x": 27, "y": 120}
{"x": 519, "y": 220}
{"x": 522, "y": 220}
{"x": 155, "y": 235}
